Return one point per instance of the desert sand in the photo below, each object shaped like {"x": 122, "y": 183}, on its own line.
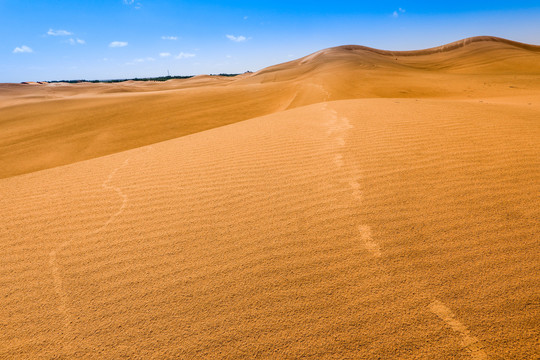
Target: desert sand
{"x": 352, "y": 204}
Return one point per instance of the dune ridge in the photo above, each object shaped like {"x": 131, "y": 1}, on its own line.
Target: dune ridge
{"x": 443, "y": 48}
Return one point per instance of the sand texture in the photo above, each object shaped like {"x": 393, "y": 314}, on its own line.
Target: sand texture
{"x": 352, "y": 204}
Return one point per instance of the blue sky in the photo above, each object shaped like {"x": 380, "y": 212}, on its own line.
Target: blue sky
{"x": 106, "y": 39}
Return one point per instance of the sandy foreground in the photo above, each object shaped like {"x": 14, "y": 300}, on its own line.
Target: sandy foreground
{"x": 352, "y": 204}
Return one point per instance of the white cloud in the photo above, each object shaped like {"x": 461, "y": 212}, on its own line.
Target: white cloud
{"x": 245, "y": 17}
{"x": 22, "y": 49}
{"x": 164, "y": 54}
{"x": 141, "y": 60}
{"x": 169, "y": 37}
{"x": 239, "y": 38}
{"x": 183, "y": 55}
{"x": 396, "y": 13}
{"x": 52, "y": 32}
{"x": 138, "y": 5}
{"x": 116, "y": 44}
{"x": 76, "y": 41}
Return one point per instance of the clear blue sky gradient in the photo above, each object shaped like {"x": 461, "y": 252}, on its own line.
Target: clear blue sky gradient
{"x": 263, "y": 33}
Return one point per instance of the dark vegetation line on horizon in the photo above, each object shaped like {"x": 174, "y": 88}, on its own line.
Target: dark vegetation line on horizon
{"x": 159, "y": 78}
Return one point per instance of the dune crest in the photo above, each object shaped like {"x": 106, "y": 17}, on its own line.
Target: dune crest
{"x": 439, "y": 49}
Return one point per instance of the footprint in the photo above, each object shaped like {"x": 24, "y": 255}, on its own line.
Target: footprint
{"x": 468, "y": 342}
{"x": 338, "y": 160}
{"x": 357, "y": 193}
{"x": 370, "y": 245}
{"x": 340, "y": 141}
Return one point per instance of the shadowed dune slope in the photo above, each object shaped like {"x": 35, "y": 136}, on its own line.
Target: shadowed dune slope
{"x": 44, "y": 126}
{"x": 357, "y": 229}
{"x": 49, "y": 133}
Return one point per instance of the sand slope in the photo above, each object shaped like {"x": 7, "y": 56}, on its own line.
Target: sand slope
{"x": 50, "y": 125}
{"x": 335, "y": 230}
{"x": 387, "y": 228}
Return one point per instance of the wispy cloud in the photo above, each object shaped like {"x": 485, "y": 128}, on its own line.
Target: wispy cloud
{"x": 239, "y": 38}
{"x": 71, "y": 41}
{"x": 117, "y": 44}
{"x": 76, "y": 41}
{"x": 164, "y": 54}
{"x": 140, "y": 60}
{"x": 183, "y": 55}
{"x": 52, "y": 32}
{"x": 144, "y": 59}
{"x": 169, "y": 37}
{"x": 22, "y": 49}
{"x": 396, "y": 13}
{"x": 138, "y": 5}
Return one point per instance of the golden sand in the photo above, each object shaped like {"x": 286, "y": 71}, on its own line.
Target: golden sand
{"x": 352, "y": 204}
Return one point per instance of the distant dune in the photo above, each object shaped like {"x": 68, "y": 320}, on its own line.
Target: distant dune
{"x": 352, "y": 204}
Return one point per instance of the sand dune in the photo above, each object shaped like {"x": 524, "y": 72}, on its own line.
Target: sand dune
{"x": 91, "y": 120}
{"x": 338, "y": 220}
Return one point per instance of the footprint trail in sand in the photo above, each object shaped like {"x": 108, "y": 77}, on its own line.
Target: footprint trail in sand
{"x": 54, "y": 254}
{"x": 337, "y": 130}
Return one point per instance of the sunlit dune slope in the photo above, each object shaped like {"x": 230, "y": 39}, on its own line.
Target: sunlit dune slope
{"x": 477, "y": 54}
{"x": 44, "y": 126}
{"x": 353, "y": 229}
{"x": 474, "y": 67}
